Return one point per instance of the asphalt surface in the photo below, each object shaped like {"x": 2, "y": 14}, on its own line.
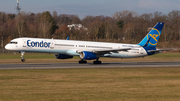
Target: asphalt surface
{"x": 90, "y": 65}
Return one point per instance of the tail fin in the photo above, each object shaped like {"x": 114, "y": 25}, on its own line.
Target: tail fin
{"x": 154, "y": 35}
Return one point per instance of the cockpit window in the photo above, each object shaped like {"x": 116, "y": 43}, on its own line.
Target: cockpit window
{"x": 12, "y": 42}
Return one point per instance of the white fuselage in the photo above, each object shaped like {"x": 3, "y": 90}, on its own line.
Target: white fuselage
{"x": 71, "y": 47}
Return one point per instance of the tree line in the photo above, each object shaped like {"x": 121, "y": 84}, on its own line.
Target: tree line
{"x": 121, "y": 27}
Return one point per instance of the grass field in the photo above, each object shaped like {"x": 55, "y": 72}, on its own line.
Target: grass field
{"x": 115, "y": 84}
{"x": 49, "y": 58}
{"x": 123, "y": 84}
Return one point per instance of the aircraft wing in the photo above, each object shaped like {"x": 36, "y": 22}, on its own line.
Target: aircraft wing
{"x": 124, "y": 49}
{"x": 159, "y": 50}
{"x": 105, "y": 51}
{"x": 111, "y": 50}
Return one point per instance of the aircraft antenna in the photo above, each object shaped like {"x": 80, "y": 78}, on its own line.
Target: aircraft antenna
{"x": 18, "y": 7}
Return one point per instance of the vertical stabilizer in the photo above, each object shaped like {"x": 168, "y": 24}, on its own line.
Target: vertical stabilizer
{"x": 154, "y": 35}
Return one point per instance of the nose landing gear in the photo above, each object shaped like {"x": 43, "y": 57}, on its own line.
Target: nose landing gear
{"x": 22, "y": 56}
{"x": 82, "y": 61}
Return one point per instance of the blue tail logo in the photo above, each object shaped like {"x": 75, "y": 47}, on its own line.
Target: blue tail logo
{"x": 153, "y": 36}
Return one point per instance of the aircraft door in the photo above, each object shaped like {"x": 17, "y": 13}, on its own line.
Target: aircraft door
{"x": 24, "y": 43}
{"x": 141, "y": 50}
{"x": 52, "y": 44}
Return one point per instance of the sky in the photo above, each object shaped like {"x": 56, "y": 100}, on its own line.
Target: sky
{"x": 91, "y": 7}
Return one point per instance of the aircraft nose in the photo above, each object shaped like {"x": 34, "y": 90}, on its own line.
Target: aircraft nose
{"x": 7, "y": 47}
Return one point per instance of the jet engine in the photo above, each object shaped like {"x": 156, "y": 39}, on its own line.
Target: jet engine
{"x": 62, "y": 56}
{"x": 88, "y": 55}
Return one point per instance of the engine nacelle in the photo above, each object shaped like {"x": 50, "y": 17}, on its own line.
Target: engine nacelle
{"x": 62, "y": 56}
{"x": 88, "y": 55}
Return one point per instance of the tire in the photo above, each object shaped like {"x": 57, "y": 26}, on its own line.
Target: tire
{"x": 97, "y": 62}
{"x": 82, "y": 62}
{"x": 23, "y": 60}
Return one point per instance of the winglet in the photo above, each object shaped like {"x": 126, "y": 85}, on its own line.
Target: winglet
{"x": 67, "y": 38}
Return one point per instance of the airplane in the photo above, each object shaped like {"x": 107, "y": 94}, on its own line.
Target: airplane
{"x": 88, "y": 50}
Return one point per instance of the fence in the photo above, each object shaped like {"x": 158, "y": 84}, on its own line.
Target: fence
{"x": 2, "y": 50}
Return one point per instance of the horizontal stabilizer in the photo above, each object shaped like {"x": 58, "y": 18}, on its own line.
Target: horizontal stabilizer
{"x": 159, "y": 50}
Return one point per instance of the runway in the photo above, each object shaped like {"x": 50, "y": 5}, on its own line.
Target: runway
{"x": 90, "y": 65}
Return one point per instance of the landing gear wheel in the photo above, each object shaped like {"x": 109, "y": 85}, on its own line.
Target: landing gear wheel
{"x": 97, "y": 62}
{"x": 82, "y": 62}
{"x": 23, "y": 60}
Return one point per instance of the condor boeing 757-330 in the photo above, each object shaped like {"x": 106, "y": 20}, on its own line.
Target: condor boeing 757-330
{"x": 87, "y": 50}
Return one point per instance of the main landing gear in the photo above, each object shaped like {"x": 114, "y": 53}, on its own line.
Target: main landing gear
{"x": 94, "y": 62}
{"x": 82, "y": 61}
{"x": 22, "y": 57}
{"x": 97, "y": 62}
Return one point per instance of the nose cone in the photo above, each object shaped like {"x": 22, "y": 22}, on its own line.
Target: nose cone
{"x": 8, "y": 47}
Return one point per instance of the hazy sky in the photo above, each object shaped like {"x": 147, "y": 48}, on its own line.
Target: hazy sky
{"x": 91, "y": 7}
